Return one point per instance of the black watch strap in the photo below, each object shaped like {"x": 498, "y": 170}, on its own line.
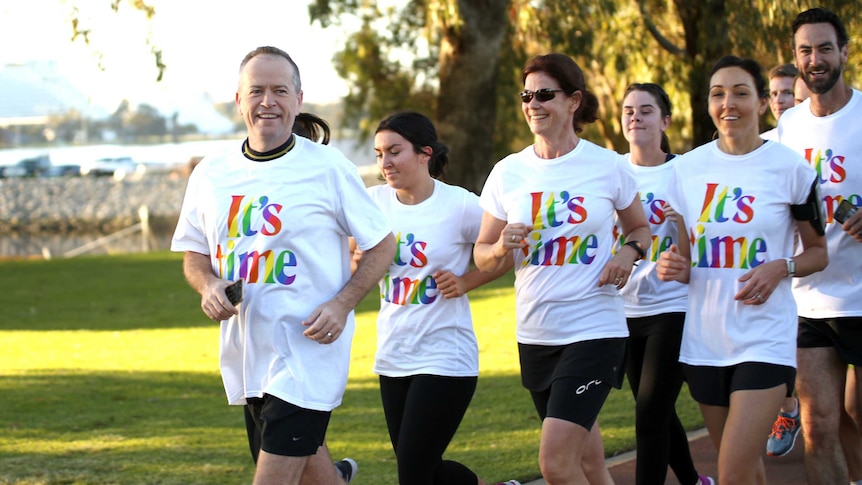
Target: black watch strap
{"x": 637, "y": 246}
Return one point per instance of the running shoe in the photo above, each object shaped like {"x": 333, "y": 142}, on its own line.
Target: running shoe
{"x": 347, "y": 468}
{"x": 785, "y": 430}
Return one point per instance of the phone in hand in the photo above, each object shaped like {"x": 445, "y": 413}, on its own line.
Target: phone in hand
{"x": 234, "y": 292}
{"x": 844, "y": 211}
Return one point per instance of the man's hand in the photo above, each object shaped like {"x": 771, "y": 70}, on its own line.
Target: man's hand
{"x": 326, "y": 322}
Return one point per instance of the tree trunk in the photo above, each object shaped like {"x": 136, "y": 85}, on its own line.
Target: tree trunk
{"x": 466, "y": 108}
{"x": 706, "y": 40}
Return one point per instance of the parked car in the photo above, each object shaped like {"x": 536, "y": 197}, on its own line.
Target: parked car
{"x": 28, "y": 167}
{"x": 12, "y": 171}
{"x": 63, "y": 171}
{"x": 118, "y": 167}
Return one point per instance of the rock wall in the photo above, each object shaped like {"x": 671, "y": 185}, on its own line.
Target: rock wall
{"x": 87, "y": 204}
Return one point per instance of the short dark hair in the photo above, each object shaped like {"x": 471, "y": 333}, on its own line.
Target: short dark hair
{"x": 274, "y": 51}
{"x": 748, "y": 65}
{"x": 783, "y": 70}
{"x": 571, "y": 78}
{"x": 820, "y": 16}
{"x": 420, "y": 132}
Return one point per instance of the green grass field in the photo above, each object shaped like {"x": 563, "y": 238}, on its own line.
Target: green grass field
{"x": 109, "y": 375}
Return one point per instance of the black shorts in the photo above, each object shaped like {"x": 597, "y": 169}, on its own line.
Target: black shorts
{"x": 714, "y": 385}
{"x": 572, "y": 382}
{"x": 845, "y": 334}
{"x": 284, "y": 429}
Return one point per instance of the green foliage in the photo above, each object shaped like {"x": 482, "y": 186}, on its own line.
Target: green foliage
{"x": 385, "y": 75}
{"x": 108, "y": 372}
{"x": 80, "y": 29}
{"x": 616, "y": 42}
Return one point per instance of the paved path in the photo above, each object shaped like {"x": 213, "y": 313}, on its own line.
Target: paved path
{"x": 786, "y": 470}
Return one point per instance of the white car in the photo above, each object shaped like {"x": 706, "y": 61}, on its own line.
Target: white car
{"x": 118, "y": 167}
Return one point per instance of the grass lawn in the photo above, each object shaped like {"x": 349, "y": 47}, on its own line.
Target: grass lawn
{"x": 109, "y": 375}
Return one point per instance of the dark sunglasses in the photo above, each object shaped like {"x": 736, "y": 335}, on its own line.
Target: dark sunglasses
{"x": 544, "y": 94}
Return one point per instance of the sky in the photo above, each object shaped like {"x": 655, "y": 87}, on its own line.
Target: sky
{"x": 203, "y": 42}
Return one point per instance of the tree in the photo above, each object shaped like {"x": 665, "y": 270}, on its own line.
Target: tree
{"x": 469, "y": 63}
{"x": 713, "y": 28}
{"x": 616, "y": 42}
{"x": 82, "y": 31}
{"x": 462, "y": 41}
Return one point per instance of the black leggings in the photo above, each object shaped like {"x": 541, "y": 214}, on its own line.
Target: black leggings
{"x": 423, "y": 413}
{"x": 655, "y": 376}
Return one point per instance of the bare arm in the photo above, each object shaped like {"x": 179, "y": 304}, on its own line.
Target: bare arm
{"x": 199, "y": 273}
{"x": 634, "y": 225}
{"x": 814, "y": 256}
{"x": 452, "y": 286}
{"x": 493, "y": 249}
{"x": 326, "y": 322}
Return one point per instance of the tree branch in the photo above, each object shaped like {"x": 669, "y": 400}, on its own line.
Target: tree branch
{"x": 651, "y": 27}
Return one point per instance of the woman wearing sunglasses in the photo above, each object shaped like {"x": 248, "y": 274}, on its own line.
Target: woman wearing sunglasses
{"x": 549, "y": 211}
{"x": 655, "y": 310}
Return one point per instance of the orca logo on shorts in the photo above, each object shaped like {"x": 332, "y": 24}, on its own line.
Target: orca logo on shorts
{"x": 587, "y": 386}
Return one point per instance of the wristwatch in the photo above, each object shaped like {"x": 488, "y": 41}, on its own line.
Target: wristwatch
{"x": 637, "y": 246}
{"x": 791, "y": 267}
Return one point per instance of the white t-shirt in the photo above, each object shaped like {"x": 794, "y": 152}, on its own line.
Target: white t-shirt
{"x": 833, "y": 146}
{"x": 737, "y": 213}
{"x": 283, "y": 227}
{"x": 644, "y": 294}
{"x": 418, "y": 330}
{"x": 570, "y": 203}
{"x": 771, "y": 135}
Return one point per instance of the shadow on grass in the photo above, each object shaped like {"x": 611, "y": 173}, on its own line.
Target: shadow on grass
{"x": 171, "y": 428}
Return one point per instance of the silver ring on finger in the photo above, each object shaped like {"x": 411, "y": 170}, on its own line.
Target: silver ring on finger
{"x": 329, "y": 334}
{"x": 514, "y": 238}
{"x": 618, "y": 280}
{"x": 759, "y": 298}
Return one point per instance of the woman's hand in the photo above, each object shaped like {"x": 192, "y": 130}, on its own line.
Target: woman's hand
{"x": 673, "y": 266}
{"x": 670, "y": 214}
{"x": 617, "y": 271}
{"x": 760, "y": 282}
{"x": 449, "y": 285}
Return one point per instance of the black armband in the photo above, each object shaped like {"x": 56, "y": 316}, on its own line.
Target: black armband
{"x": 811, "y": 210}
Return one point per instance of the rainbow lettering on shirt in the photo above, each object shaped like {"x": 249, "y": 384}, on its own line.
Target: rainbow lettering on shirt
{"x": 413, "y": 249}
{"x": 550, "y": 210}
{"x": 725, "y": 251}
{"x": 831, "y": 169}
{"x": 254, "y": 217}
{"x": 408, "y": 291}
{"x": 714, "y": 208}
{"x": 722, "y": 205}
{"x": 654, "y": 209}
{"x": 831, "y": 203}
{"x": 828, "y": 165}
{"x": 404, "y": 290}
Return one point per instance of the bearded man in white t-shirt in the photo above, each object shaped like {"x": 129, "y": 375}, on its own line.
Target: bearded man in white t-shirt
{"x": 827, "y": 130}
